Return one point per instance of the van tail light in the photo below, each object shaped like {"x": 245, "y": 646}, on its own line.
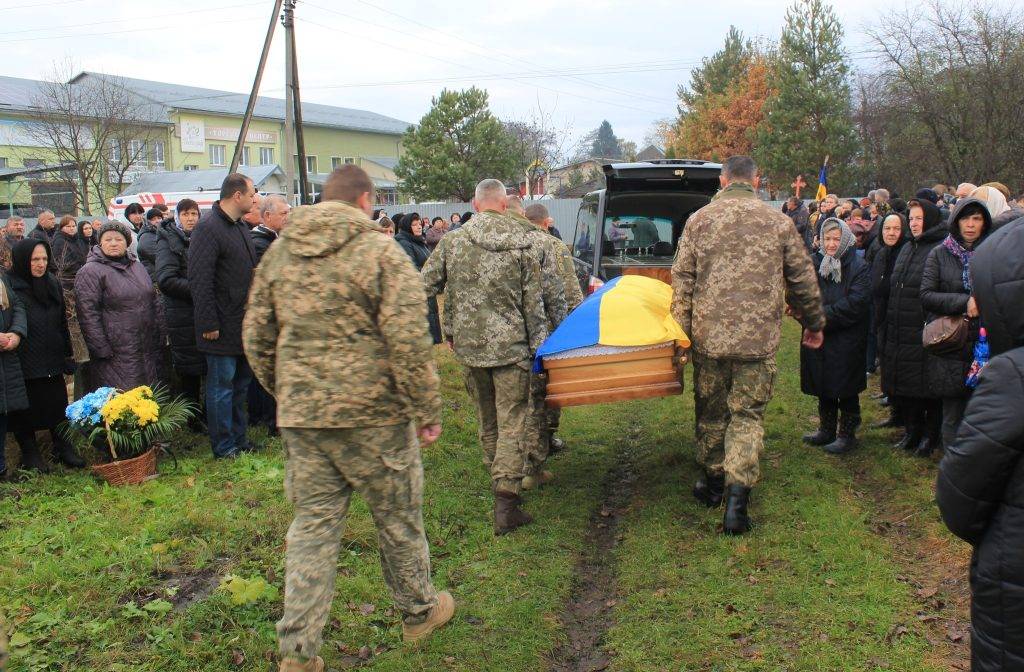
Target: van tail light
{"x": 594, "y": 285}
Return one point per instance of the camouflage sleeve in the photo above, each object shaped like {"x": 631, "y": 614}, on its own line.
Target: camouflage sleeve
{"x": 684, "y": 276}
{"x": 802, "y": 291}
{"x": 259, "y": 328}
{"x": 402, "y": 320}
{"x": 551, "y": 284}
{"x": 533, "y": 302}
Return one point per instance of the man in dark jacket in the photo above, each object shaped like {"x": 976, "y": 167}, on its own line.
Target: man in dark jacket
{"x": 980, "y": 489}
{"x": 148, "y": 234}
{"x": 221, "y": 259}
{"x": 273, "y": 212}
{"x": 797, "y": 211}
{"x": 46, "y": 227}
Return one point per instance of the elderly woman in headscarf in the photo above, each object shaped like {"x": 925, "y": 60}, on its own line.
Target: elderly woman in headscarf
{"x": 835, "y": 372}
{"x": 998, "y": 209}
{"x": 946, "y": 291}
{"x": 892, "y": 236}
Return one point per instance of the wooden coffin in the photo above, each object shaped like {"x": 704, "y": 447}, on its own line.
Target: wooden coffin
{"x": 599, "y": 379}
{"x": 663, "y": 273}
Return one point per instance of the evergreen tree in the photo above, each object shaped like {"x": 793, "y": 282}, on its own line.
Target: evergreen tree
{"x": 717, "y": 72}
{"x": 606, "y": 145}
{"x": 457, "y": 144}
{"x": 810, "y": 115}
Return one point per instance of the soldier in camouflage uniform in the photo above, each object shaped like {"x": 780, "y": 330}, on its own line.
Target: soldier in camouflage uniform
{"x": 738, "y": 263}
{"x": 494, "y": 320}
{"x": 336, "y": 328}
{"x": 550, "y": 251}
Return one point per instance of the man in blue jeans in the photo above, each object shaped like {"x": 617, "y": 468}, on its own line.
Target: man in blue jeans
{"x": 221, "y": 259}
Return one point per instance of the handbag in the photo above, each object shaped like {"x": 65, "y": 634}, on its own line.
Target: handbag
{"x": 946, "y": 335}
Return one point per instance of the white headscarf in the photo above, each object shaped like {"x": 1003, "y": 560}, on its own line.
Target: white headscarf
{"x": 993, "y": 199}
{"x": 831, "y": 267}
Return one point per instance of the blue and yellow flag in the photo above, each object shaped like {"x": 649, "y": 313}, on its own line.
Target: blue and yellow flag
{"x": 629, "y": 310}
{"x": 822, "y": 181}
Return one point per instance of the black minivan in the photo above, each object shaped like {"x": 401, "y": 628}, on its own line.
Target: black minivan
{"x": 633, "y": 225}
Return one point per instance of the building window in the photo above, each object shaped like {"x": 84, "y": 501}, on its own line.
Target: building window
{"x": 310, "y": 165}
{"x": 3, "y": 161}
{"x": 217, "y": 155}
{"x": 33, "y": 163}
{"x": 335, "y": 162}
{"x": 115, "y": 154}
{"x": 190, "y": 166}
{"x": 350, "y": 159}
{"x": 156, "y": 155}
{"x": 136, "y": 152}
{"x": 266, "y": 156}
{"x": 244, "y": 160}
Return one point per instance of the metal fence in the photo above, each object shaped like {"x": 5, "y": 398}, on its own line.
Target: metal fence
{"x": 563, "y": 210}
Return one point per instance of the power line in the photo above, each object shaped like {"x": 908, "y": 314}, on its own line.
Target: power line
{"x": 136, "y": 18}
{"x": 42, "y": 4}
{"x": 114, "y": 32}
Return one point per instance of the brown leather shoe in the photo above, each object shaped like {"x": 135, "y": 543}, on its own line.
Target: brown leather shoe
{"x": 507, "y": 514}
{"x": 438, "y": 616}
{"x": 311, "y": 665}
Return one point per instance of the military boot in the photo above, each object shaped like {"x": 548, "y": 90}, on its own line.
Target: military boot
{"x": 826, "y": 434}
{"x": 67, "y": 456}
{"x": 847, "y": 437}
{"x": 436, "y": 617}
{"x": 556, "y": 445}
{"x": 507, "y": 514}
{"x": 32, "y": 460}
{"x": 710, "y": 489}
{"x": 912, "y": 437}
{"x": 736, "y": 520}
{"x": 312, "y": 665}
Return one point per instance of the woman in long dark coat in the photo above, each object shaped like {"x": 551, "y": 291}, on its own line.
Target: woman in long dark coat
{"x": 980, "y": 488}
{"x": 69, "y": 251}
{"x": 45, "y": 354}
{"x": 835, "y": 372}
{"x": 410, "y": 236}
{"x": 946, "y": 290}
{"x": 13, "y": 330}
{"x": 179, "y": 311}
{"x": 892, "y": 236}
{"x": 118, "y": 314}
{"x": 905, "y": 357}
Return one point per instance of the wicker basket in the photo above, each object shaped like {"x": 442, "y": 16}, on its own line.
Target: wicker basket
{"x": 132, "y": 471}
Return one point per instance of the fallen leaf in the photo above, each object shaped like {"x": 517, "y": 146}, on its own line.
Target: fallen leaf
{"x": 364, "y": 652}
{"x": 729, "y": 609}
{"x": 237, "y": 657}
{"x": 196, "y": 637}
{"x": 449, "y": 660}
{"x": 954, "y": 633}
{"x": 605, "y": 513}
{"x": 925, "y": 593}
{"x": 751, "y": 579}
{"x": 610, "y": 603}
{"x": 190, "y": 482}
{"x": 521, "y": 575}
{"x": 367, "y": 609}
{"x": 830, "y": 582}
{"x": 72, "y": 518}
{"x": 660, "y": 592}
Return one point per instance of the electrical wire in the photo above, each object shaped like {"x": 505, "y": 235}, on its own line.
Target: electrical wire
{"x": 119, "y": 32}
{"x": 134, "y": 18}
{"x": 42, "y": 4}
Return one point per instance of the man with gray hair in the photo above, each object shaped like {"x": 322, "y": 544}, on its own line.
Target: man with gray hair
{"x": 964, "y": 190}
{"x": 494, "y": 321}
{"x": 273, "y": 215}
{"x": 738, "y": 263}
{"x": 46, "y": 227}
{"x": 14, "y": 230}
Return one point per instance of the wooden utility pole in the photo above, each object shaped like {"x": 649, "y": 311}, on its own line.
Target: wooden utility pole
{"x": 300, "y": 142}
{"x": 244, "y": 131}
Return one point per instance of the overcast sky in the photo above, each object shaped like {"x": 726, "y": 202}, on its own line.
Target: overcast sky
{"x": 614, "y": 60}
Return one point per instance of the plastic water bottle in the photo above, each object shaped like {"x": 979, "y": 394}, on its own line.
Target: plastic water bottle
{"x": 980, "y": 359}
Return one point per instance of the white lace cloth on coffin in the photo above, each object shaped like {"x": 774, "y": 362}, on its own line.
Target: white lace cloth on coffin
{"x": 595, "y": 350}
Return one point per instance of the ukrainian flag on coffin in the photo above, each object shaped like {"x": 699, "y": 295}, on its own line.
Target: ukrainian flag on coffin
{"x": 630, "y": 310}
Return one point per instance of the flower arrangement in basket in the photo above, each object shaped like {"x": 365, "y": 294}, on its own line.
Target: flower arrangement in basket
{"x": 129, "y": 423}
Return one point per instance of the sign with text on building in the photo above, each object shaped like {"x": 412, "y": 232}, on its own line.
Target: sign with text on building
{"x": 231, "y": 134}
{"x": 193, "y": 135}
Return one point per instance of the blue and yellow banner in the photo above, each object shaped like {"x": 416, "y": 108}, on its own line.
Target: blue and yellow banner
{"x": 630, "y": 310}
{"x": 822, "y": 181}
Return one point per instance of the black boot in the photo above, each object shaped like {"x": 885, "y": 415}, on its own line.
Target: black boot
{"x": 736, "y": 520}
{"x": 847, "y": 438}
{"x": 913, "y": 436}
{"x": 709, "y": 490}
{"x": 67, "y": 456}
{"x": 32, "y": 460}
{"x": 556, "y": 445}
{"x": 507, "y": 514}
{"x": 826, "y": 434}
{"x": 894, "y": 420}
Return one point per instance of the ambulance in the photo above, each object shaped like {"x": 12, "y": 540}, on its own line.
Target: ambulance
{"x": 205, "y": 199}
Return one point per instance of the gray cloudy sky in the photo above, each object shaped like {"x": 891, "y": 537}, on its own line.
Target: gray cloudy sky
{"x": 614, "y": 60}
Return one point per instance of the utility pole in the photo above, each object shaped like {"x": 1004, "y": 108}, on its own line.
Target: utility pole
{"x": 244, "y": 131}
{"x": 304, "y": 190}
{"x": 288, "y": 20}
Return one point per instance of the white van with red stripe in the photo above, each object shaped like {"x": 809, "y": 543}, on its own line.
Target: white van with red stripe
{"x": 205, "y": 199}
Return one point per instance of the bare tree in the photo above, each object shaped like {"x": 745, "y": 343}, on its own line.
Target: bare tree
{"x": 950, "y": 74}
{"x": 540, "y": 145}
{"x": 96, "y": 126}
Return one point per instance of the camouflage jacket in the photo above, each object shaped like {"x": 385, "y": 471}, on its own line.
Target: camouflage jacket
{"x": 336, "y": 326}
{"x": 489, "y": 273}
{"x": 551, "y": 283}
{"x": 738, "y": 263}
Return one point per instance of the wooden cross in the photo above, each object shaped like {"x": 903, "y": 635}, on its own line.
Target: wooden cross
{"x": 798, "y": 184}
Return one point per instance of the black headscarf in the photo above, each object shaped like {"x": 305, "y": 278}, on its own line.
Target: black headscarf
{"x": 21, "y": 266}
{"x": 932, "y": 215}
{"x": 405, "y": 226}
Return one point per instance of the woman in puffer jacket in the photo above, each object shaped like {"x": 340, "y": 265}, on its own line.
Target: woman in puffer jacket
{"x": 980, "y": 487}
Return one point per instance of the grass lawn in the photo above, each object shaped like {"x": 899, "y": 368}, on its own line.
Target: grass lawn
{"x": 849, "y": 567}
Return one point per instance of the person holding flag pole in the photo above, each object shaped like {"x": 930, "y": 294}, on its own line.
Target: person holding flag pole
{"x": 822, "y": 182}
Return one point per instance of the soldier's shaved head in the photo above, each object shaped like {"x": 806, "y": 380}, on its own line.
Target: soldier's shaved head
{"x": 490, "y": 194}
{"x": 347, "y": 183}
{"x": 739, "y": 168}
{"x": 536, "y": 213}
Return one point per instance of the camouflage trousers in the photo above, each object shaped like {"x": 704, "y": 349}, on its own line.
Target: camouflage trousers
{"x": 323, "y": 467}
{"x": 731, "y": 396}
{"x": 502, "y": 397}
{"x": 538, "y": 427}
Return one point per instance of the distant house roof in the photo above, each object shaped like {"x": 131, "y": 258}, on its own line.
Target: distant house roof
{"x": 11, "y": 173}
{"x": 650, "y": 152}
{"x": 195, "y": 180}
{"x": 17, "y": 94}
{"x": 183, "y": 97}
